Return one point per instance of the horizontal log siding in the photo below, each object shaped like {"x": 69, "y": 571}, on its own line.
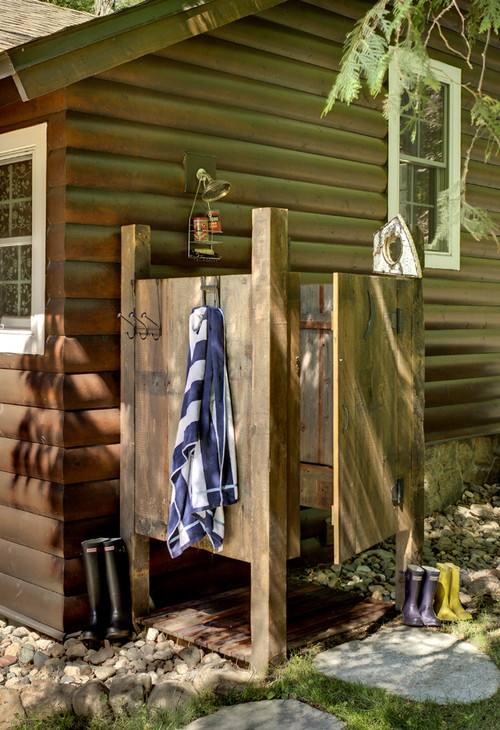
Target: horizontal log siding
{"x": 59, "y": 431}
{"x": 251, "y": 93}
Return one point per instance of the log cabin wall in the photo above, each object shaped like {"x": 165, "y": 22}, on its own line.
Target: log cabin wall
{"x": 250, "y": 93}
{"x": 59, "y": 428}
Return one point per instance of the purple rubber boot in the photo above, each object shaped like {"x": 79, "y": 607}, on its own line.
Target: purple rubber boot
{"x": 413, "y": 584}
{"x": 426, "y": 605}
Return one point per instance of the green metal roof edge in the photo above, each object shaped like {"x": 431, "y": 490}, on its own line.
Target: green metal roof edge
{"x": 27, "y": 63}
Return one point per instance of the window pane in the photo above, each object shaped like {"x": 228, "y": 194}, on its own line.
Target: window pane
{"x": 15, "y": 281}
{"x": 9, "y": 300}
{"x": 419, "y": 186}
{"x": 4, "y": 220}
{"x": 15, "y": 199}
{"x": 423, "y": 185}
{"x": 21, "y": 218}
{"x": 9, "y": 263}
{"x": 21, "y": 179}
{"x": 428, "y": 131}
{"x": 25, "y": 300}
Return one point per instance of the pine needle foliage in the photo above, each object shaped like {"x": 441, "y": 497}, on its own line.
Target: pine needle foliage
{"x": 399, "y": 32}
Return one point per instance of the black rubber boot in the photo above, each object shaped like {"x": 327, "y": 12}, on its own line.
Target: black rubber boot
{"x": 413, "y": 585}
{"x": 95, "y": 575}
{"x": 426, "y": 605}
{"x": 117, "y": 576}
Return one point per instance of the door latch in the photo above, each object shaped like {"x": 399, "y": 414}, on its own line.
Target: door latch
{"x": 398, "y": 493}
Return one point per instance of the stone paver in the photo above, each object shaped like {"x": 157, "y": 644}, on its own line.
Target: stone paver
{"x": 268, "y": 715}
{"x": 414, "y": 663}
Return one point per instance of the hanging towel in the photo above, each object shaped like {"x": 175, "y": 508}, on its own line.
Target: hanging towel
{"x": 203, "y": 474}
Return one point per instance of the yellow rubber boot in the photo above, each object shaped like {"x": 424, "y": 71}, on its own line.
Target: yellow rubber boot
{"x": 454, "y": 600}
{"x": 442, "y": 601}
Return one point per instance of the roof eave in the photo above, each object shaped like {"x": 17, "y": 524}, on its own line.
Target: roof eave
{"x": 63, "y": 58}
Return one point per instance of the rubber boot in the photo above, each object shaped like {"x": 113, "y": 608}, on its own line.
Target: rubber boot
{"x": 413, "y": 585}
{"x": 117, "y": 576}
{"x": 95, "y": 575}
{"x": 426, "y": 606}
{"x": 454, "y": 601}
{"x": 442, "y": 600}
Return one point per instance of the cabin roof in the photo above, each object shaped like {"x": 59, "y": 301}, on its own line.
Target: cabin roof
{"x": 51, "y": 62}
{"x": 24, "y": 20}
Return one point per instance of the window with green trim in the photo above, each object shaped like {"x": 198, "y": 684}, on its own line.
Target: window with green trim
{"x": 424, "y": 167}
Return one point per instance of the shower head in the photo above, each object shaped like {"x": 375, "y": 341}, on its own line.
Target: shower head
{"x": 212, "y": 189}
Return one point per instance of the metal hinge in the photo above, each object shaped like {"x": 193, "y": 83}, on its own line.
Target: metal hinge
{"x": 398, "y": 491}
{"x": 397, "y": 320}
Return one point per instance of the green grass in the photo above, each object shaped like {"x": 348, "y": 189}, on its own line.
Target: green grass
{"x": 361, "y": 708}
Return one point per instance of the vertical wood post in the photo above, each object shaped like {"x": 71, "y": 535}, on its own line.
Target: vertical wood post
{"x": 270, "y": 367}
{"x": 135, "y": 262}
{"x": 410, "y": 535}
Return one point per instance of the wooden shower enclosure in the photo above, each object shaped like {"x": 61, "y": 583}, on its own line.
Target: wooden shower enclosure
{"x": 327, "y": 390}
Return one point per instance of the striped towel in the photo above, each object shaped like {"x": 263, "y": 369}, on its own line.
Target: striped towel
{"x": 203, "y": 474}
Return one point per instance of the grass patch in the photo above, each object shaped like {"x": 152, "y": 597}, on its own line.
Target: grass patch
{"x": 361, "y": 708}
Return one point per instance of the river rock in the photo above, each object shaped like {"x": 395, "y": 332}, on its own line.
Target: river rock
{"x": 26, "y": 654}
{"x": 192, "y": 655}
{"x": 152, "y": 634}
{"x": 75, "y": 650}
{"x": 100, "y": 656}
{"x": 13, "y": 650}
{"x": 40, "y": 659}
{"x": 11, "y": 709}
{"x": 20, "y": 632}
{"x": 104, "y": 673}
{"x": 45, "y": 699}
{"x": 91, "y": 700}
{"x": 126, "y": 694}
{"x": 170, "y": 696}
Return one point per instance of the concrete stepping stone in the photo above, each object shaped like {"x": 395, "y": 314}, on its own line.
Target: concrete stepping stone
{"x": 268, "y": 715}
{"x": 416, "y": 664}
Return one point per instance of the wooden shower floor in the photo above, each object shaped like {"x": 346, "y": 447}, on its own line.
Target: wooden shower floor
{"x": 221, "y": 622}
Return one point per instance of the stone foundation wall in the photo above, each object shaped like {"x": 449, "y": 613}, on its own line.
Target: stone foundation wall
{"x": 451, "y": 466}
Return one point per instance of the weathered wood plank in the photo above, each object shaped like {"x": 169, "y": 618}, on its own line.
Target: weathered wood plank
{"x": 269, "y": 438}
{"x": 59, "y": 390}
{"x": 52, "y": 536}
{"x": 60, "y": 428}
{"x": 135, "y": 263}
{"x": 60, "y": 501}
{"x": 410, "y": 430}
{"x": 293, "y": 417}
{"x": 365, "y": 411}
{"x": 316, "y": 420}
{"x": 82, "y": 317}
{"x": 51, "y": 572}
{"x": 70, "y": 355}
{"x": 46, "y": 611}
{"x": 316, "y": 485}
{"x": 59, "y": 464}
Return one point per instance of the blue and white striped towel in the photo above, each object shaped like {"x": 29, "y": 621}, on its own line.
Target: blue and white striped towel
{"x": 203, "y": 474}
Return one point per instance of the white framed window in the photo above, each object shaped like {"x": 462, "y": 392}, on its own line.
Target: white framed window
{"x": 423, "y": 167}
{"x": 23, "y": 165}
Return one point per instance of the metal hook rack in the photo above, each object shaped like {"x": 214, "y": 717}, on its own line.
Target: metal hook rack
{"x": 143, "y": 325}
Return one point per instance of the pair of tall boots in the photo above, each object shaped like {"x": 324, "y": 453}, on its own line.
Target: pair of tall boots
{"x": 420, "y": 590}
{"x": 447, "y": 603}
{"x": 106, "y": 571}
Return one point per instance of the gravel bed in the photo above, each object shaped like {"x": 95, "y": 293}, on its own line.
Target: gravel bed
{"x": 467, "y": 534}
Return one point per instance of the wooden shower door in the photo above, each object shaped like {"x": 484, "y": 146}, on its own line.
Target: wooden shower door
{"x": 378, "y": 411}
